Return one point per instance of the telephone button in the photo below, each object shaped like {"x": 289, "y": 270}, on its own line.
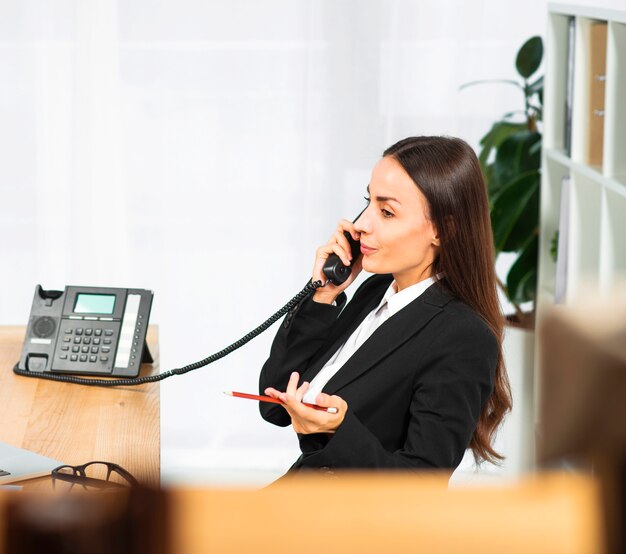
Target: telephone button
{"x": 96, "y": 340}
{"x": 83, "y": 358}
{"x": 93, "y": 358}
{"x": 77, "y": 340}
{"x": 108, "y": 332}
{"x": 87, "y": 340}
{"x": 68, "y": 331}
{"x": 88, "y": 332}
{"x": 97, "y": 332}
{"x": 79, "y": 331}
{"x": 94, "y": 349}
{"x": 73, "y": 357}
{"x": 85, "y": 349}
{"x": 63, "y": 357}
{"x": 104, "y": 358}
{"x": 67, "y": 339}
{"x": 65, "y": 348}
{"x": 75, "y": 348}
{"x": 106, "y": 349}
{"x": 106, "y": 341}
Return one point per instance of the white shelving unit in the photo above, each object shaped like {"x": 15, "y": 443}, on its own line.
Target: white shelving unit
{"x": 597, "y": 204}
{"x": 596, "y": 248}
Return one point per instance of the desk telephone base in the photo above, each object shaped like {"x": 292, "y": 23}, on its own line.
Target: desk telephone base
{"x": 87, "y": 331}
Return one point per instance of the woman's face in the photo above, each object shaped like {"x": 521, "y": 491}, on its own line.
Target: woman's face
{"x": 396, "y": 234}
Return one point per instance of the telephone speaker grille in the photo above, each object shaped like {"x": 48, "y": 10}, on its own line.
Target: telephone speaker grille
{"x": 44, "y": 327}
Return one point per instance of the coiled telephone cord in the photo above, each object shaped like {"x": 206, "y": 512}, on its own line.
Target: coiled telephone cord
{"x": 310, "y": 287}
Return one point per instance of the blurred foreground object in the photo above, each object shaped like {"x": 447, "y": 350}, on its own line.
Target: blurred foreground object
{"x": 401, "y": 512}
{"x": 120, "y": 520}
{"x": 583, "y": 396}
{"x": 369, "y": 513}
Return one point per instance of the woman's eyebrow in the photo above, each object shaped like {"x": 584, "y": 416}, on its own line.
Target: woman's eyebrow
{"x": 383, "y": 198}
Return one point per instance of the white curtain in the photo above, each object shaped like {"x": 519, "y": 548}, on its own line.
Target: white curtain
{"x": 204, "y": 149}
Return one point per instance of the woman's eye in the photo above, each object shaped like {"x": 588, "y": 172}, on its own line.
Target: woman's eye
{"x": 386, "y": 213}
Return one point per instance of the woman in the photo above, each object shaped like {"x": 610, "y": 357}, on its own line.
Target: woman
{"x": 413, "y": 363}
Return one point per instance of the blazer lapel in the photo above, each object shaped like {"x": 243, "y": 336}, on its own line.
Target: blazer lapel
{"x": 390, "y": 335}
{"x": 348, "y": 322}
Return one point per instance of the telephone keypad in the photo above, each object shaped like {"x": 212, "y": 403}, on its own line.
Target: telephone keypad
{"x": 92, "y": 345}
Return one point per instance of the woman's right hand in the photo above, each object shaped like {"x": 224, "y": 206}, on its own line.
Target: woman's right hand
{"x": 338, "y": 244}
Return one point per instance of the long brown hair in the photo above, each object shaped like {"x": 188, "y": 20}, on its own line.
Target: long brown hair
{"x": 448, "y": 173}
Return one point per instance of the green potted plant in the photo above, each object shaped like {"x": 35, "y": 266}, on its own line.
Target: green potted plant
{"x": 510, "y": 157}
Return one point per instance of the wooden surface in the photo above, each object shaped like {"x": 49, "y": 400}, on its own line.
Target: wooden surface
{"x": 77, "y": 424}
{"x": 397, "y": 513}
{"x": 368, "y": 513}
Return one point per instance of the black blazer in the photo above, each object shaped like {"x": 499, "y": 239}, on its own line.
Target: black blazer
{"x": 415, "y": 389}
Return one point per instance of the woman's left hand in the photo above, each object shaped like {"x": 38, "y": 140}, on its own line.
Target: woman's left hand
{"x": 307, "y": 420}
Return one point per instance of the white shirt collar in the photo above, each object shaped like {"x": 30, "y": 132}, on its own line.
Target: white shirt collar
{"x": 398, "y": 300}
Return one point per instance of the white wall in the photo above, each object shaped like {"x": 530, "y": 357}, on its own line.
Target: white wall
{"x": 204, "y": 149}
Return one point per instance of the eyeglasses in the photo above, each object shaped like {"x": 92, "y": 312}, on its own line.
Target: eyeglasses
{"x": 92, "y": 476}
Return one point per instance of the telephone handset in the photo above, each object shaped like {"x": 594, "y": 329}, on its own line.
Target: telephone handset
{"x": 334, "y": 269}
{"x": 87, "y": 330}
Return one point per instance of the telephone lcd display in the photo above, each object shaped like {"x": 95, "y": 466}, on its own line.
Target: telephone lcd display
{"x": 94, "y": 303}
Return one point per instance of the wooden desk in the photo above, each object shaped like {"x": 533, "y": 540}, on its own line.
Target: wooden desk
{"x": 77, "y": 424}
{"x": 370, "y": 513}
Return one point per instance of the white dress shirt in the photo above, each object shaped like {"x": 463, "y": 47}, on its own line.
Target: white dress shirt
{"x": 391, "y": 303}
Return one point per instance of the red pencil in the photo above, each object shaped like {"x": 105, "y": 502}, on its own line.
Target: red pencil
{"x": 276, "y": 401}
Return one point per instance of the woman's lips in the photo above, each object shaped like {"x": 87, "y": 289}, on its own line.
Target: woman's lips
{"x": 365, "y": 250}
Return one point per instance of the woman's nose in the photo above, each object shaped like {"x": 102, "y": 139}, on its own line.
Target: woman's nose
{"x": 361, "y": 223}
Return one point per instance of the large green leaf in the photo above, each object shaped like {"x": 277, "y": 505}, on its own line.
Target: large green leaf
{"x": 529, "y": 57}
{"x": 511, "y": 202}
{"x": 515, "y": 156}
{"x": 499, "y": 131}
{"x": 527, "y": 223}
{"x": 521, "y": 282}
